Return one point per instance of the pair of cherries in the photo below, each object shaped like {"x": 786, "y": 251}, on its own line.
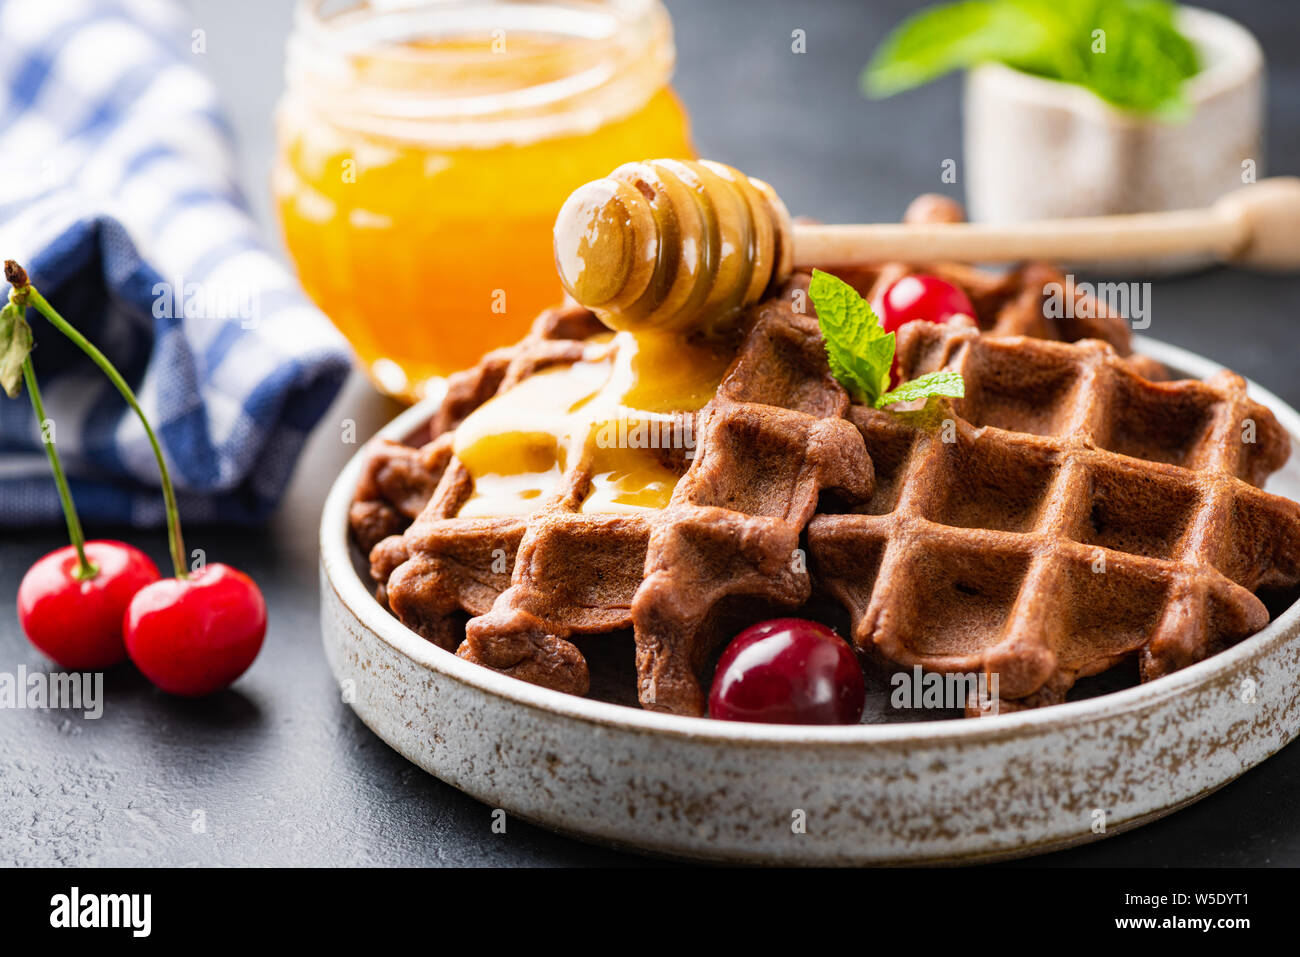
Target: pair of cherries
{"x": 189, "y": 636}
{"x": 92, "y": 604}
{"x": 796, "y": 671}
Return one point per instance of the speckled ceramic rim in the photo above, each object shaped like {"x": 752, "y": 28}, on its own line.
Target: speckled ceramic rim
{"x": 355, "y": 595}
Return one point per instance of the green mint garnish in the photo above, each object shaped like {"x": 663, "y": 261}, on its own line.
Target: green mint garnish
{"x": 15, "y": 346}
{"x": 943, "y": 382}
{"x": 1128, "y": 52}
{"x": 861, "y": 353}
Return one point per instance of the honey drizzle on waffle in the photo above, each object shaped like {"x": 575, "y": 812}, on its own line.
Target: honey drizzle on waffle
{"x": 621, "y": 414}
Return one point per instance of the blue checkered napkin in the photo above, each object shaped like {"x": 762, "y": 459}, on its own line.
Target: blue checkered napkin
{"x": 117, "y": 192}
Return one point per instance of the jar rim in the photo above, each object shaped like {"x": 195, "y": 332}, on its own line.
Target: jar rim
{"x": 627, "y": 55}
{"x": 332, "y": 30}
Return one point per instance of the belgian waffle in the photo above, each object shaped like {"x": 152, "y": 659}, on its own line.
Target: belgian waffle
{"x": 1065, "y": 515}
{"x": 771, "y": 440}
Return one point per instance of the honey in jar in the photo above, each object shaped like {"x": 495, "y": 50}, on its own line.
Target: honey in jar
{"x": 424, "y": 151}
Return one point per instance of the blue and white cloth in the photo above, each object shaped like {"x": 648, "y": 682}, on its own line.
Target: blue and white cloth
{"x": 118, "y": 193}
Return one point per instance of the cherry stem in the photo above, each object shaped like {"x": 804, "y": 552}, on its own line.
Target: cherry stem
{"x": 86, "y": 569}
{"x": 24, "y": 293}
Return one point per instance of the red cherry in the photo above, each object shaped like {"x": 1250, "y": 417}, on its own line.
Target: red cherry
{"x": 79, "y": 623}
{"x": 196, "y": 635}
{"x": 918, "y": 297}
{"x": 927, "y": 298}
{"x": 788, "y": 671}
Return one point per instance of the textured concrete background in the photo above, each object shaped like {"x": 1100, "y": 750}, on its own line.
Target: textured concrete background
{"x": 283, "y": 772}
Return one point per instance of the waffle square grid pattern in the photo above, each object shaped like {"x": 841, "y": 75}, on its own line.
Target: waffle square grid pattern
{"x": 1068, "y": 515}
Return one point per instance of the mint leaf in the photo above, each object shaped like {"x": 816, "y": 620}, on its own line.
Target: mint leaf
{"x": 1128, "y": 52}
{"x": 1146, "y": 59}
{"x": 859, "y": 351}
{"x": 952, "y": 37}
{"x": 932, "y": 383}
{"x": 15, "y": 345}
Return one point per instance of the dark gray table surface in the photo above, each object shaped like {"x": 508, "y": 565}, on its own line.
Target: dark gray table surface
{"x": 283, "y": 771}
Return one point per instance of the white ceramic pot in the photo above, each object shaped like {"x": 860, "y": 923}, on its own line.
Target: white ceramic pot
{"x": 1039, "y": 149}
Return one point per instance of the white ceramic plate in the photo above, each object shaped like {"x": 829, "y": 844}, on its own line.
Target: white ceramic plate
{"x": 920, "y": 792}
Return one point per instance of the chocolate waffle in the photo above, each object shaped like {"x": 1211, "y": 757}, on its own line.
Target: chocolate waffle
{"x": 1063, "y": 516}
{"x": 401, "y": 481}
{"x": 768, "y": 443}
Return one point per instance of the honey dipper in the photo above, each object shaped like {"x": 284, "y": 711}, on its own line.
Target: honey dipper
{"x": 678, "y": 244}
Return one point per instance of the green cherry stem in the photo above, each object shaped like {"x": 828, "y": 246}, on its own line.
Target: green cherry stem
{"x": 86, "y": 569}
{"x": 24, "y": 293}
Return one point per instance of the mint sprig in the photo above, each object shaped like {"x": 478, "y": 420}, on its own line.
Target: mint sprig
{"x": 1142, "y": 66}
{"x": 861, "y": 353}
{"x": 943, "y": 382}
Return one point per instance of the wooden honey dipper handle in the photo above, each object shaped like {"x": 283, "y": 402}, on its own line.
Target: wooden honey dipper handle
{"x": 676, "y": 244}
{"x": 1257, "y": 226}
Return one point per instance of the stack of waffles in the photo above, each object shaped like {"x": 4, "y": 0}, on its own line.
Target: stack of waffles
{"x": 1071, "y": 512}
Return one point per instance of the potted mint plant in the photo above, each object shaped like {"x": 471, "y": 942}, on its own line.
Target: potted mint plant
{"x": 1086, "y": 107}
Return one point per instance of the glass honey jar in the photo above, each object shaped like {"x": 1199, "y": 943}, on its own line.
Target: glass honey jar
{"x": 424, "y": 149}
